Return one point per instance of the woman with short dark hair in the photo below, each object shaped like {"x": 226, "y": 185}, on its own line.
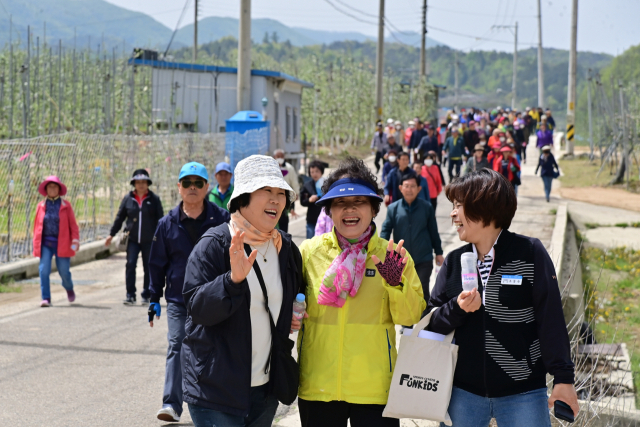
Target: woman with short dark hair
{"x": 510, "y": 329}
{"x": 347, "y": 344}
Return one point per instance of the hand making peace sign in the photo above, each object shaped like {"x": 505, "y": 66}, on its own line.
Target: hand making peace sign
{"x": 240, "y": 264}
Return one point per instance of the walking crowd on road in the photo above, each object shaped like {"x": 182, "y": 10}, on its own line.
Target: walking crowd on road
{"x": 234, "y": 281}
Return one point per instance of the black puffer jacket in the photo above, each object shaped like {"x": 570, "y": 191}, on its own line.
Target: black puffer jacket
{"x": 313, "y": 210}
{"x": 141, "y": 220}
{"x": 217, "y": 349}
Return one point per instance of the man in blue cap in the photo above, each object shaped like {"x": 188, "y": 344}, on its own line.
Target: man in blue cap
{"x": 221, "y": 193}
{"x": 175, "y": 237}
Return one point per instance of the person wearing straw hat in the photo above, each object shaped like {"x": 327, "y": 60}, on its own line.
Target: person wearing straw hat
{"x": 141, "y": 208}
{"x": 477, "y": 161}
{"x": 55, "y": 232}
{"x": 228, "y": 369}
{"x": 173, "y": 242}
{"x": 347, "y": 345}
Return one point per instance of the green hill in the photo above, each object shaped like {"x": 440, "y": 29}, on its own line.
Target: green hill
{"x": 95, "y": 19}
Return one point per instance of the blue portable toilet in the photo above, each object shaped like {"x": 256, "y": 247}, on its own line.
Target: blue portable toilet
{"x": 247, "y": 134}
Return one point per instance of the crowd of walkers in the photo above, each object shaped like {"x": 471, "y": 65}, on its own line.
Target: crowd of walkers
{"x": 230, "y": 273}
{"x": 463, "y": 142}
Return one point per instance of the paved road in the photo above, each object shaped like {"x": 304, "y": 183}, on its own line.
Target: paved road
{"x": 97, "y": 362}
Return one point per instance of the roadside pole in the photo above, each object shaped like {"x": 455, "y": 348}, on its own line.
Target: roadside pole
{"x": 380, "y": 62}
{"x": 571, "y": 89}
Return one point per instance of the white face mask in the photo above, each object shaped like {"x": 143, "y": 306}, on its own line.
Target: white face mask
{"x": 392, "y": 158}
{"x": 280, "y": 161}
{"x": 502, "y": 139}
{"x": 428, "y": 162}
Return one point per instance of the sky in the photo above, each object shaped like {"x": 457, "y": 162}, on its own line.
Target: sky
{"x": 609, "y": 26}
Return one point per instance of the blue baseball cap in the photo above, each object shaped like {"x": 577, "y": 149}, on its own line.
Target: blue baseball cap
{"x": 347, "y": 187}
{"x": 222, "y": 166}
{"x": 195, "y": 169}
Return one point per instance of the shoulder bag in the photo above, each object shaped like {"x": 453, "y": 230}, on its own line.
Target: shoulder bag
{"x": 122, "y": 240}
{"x": 285, "y": 373}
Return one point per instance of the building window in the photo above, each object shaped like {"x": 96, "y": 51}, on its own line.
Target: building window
{"x": 288, "y": 125}
{"x": 295, "y": 124}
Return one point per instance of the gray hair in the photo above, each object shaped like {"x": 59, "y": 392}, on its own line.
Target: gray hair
{"x": 278, "y": 151}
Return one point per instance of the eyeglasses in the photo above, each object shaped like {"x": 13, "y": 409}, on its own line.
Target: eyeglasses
{"x": 186, "y": 183}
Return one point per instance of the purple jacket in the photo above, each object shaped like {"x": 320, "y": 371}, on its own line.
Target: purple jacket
{"x": 544, "y": 138}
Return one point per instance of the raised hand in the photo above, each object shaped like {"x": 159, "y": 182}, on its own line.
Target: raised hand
{"x": 240, "y": 264}
{"x": 394, "y": 262}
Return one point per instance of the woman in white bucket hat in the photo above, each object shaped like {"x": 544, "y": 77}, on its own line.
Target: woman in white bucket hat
{"x": 229, "y": 374}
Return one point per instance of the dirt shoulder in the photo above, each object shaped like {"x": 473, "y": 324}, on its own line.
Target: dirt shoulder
{"x": 603, "y": 196}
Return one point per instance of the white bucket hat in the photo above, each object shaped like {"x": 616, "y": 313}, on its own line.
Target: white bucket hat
{"x": 256, "y": 172}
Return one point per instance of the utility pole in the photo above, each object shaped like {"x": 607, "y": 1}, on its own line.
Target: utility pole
{"x": 540, "y": 68}
{"x": 380, "y": 61}
{"x": 195, "y": 32}
{"x": 514, "y": 30}
{"x": 589, "y": 110}
{"x": 571, "y": 89}
{"x": 244, "y": 57}
{"x": 455, "y": 102}
{"x": 423, "y": 41}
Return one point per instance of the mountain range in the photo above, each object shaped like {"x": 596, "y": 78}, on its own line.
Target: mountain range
{"x": 81, "y": 22}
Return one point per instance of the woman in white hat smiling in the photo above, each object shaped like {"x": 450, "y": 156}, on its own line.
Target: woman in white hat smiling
{"x": 232, "y": 364}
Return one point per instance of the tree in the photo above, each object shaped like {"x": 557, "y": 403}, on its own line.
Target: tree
{"x": 274, "y": 37}
{"x": 265, "y": 39}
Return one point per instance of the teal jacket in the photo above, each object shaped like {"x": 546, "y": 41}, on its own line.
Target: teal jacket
{"x": 417, "y": 225}
{"x": 218, "y": 200}
{"x": 455, "y": 149}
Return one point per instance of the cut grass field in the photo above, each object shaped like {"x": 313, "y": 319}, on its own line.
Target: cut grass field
{"x": 612, "y": 295}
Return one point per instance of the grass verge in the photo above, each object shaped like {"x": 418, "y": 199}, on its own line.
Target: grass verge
{"x": 612, "y": 291}
{"x": 582, "y": 173}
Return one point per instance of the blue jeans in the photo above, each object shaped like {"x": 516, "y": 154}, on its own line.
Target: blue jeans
{"x": 63, "y": 265}
{"x": 261, "y": 412}
{"x": 547, "y": 180}
{"x": 519, "y": 410}
{"x": 172, "y": 396}
{"x": 311, "y": 231}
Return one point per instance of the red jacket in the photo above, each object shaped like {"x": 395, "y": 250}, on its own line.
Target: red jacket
{"x": 432, "y": 175}
{"x": 68, "y": 235}
{"x": 497, "y": 165}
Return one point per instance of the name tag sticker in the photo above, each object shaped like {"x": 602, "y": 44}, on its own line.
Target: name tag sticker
{"x": 370, "y": 272}
{"x": 511, "y": 280}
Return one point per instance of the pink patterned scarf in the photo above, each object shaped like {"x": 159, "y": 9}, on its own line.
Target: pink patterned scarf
{"x": 345, "y": 273}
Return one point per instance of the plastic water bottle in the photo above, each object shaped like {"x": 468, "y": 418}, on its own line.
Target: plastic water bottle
{"x": 469, "y": 262}
{"x": 299, "y": 307}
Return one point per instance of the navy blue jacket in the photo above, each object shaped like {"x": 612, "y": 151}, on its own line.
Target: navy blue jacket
{"x": 416, "y": 137}
{"x": 217, "y": 349}
{"x": 170, "y": 251}
{"x": 548, "y": 166}
{"x": 429, "y": 143}
{"x": 394, "y": 179}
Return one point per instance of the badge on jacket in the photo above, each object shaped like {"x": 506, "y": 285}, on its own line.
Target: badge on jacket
{"x": 511, "y": 280}
{"x": 370, "y": 272}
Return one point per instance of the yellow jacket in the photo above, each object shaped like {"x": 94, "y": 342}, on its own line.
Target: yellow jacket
{"x": 348, "y": 353}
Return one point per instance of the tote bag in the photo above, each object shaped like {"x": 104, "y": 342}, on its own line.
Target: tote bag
{"x": 423, "y": 377}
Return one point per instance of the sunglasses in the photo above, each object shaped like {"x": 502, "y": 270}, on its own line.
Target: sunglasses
{"x": 186, "y": 183}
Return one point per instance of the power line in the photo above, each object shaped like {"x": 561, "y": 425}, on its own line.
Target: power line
{"x": 473, "y": 37}
{"x": 349, "y": 14}
{"x": 184, "y": 9}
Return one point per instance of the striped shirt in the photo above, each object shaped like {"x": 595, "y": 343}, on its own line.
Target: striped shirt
{"x": 484, "y": 266}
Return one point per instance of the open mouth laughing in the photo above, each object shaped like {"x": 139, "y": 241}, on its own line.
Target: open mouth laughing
{"x": 351, "y": 221}
{"x": 271, "y": 213}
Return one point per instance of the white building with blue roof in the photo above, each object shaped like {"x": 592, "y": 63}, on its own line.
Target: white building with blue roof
{"x": 200, "y": 98}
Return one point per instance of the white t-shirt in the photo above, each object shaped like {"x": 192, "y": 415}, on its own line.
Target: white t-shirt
{"x": 260, "y": 323}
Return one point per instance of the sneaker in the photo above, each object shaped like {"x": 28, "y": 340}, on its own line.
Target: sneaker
{"x": 45, "y": 303}
{"x": 168, "y": 414}
{"x": 71, "y": 296}
{"x": 131, "y": 300}
{"x": 145, "y": 300}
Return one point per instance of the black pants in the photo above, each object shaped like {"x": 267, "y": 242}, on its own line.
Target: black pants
{"x": 434, "y": 203}
{"x": 336, "y": 414}
{"x": 133, "y": 249}
{"x": 379, "y": 156}
{"x": 457, "y": 163}
{"x": 284, "y": 222}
